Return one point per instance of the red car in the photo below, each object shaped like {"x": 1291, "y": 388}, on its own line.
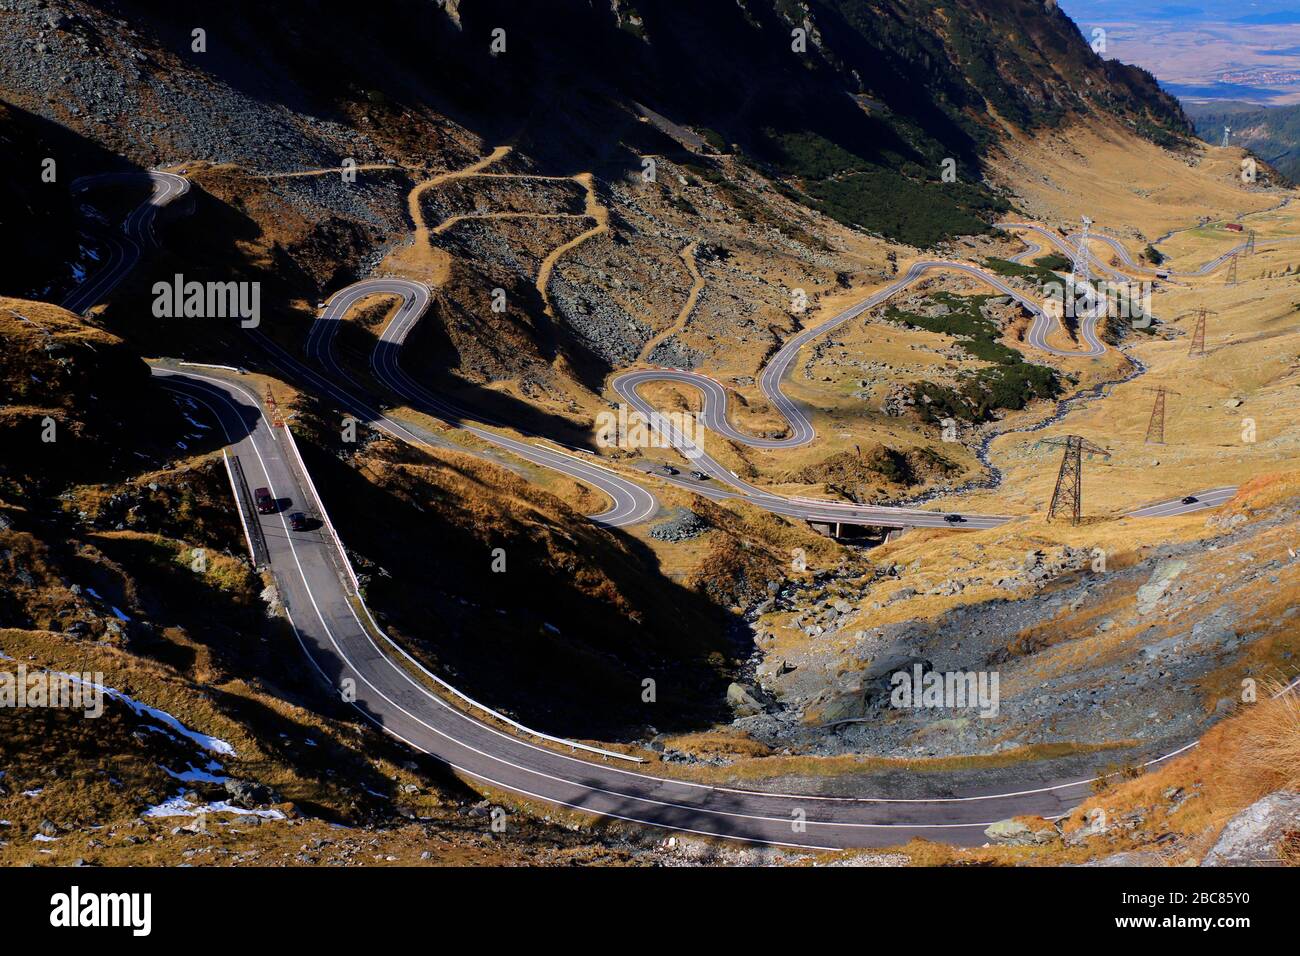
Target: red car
{"x": 264, "y": 501}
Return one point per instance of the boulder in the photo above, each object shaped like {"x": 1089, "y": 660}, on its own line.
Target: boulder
{"x": 1022, "y": 831}
{"x": 902, "y": 594}
{"x": 742, "y": 701}
{"x": 1095, "y": 826}
{"x": 843, "y": 708}
{"x": 245, "y": 794}
{"x": 1251, "y": 838}
{"x": 1150, "y": 594}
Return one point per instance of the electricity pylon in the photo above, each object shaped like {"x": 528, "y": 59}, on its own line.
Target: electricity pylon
{"x": 1227, "y": 132}
{"x": 1156, "y": 427}
{"x": 1069, "y": 487}
{"x": 1249, "y": 249}
{"x": 1198, "y": 334}
{"x": 1232, "y": 271}
{"x": 1081, "y": 272}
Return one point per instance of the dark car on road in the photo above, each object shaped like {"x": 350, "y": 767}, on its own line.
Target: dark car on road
{"x": 265, "y": 501}
{"x": 1191, "y": 500}
{"x": 299, "y": 521}
{"x": 953, "y": 519}
{"x": 669, "y": 470}
{"x": 699, "y": 476}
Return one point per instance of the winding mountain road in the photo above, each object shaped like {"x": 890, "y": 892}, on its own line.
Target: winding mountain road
{"x": 136, "y": 235}
{"x": 1066, "y": 246}
{"x": 339, "y": 636}
{"x": 714, "y": 413}
{"x": 344, "y": 645}
{"x": 630, "y": 503}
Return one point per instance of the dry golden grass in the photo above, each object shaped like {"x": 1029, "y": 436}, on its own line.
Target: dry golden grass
{"x": 1101, "y": 169}
{"x": 59, "y": 322}
{"x": 727, "y": 742}
{"x": 1270, "y": 750}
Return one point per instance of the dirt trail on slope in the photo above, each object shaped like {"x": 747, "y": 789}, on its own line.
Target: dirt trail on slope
{"x": 421, "y": 258}
{"x": 413, "y": 198}
{"x": 692, "y": 297}
{"x": 595, "y": 211}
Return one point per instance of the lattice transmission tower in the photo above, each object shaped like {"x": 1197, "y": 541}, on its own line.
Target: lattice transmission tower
{"x": 1197, "y": 348}
{"x": 1156, "y": 427}
{"x": 1068, "y": 495}
{"x": 1232, "y": 271}
{"x": 1082, "y": 271}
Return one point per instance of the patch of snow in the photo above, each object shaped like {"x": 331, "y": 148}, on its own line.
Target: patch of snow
{"x": 42, "y": 838}
{"x": 178, "y": 806}
{"x": 213, "y": 744}
{"x": 117, "y": 613}
{"x": 193, "y": 775}
{"x": 34, "y": 793}
{"x": 197, "y": 424}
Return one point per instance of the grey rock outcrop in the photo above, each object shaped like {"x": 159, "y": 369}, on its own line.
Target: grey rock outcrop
{"x": 1251, "y": 838}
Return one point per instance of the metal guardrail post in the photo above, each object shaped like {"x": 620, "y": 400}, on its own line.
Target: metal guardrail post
{"x": 253, "y": 535}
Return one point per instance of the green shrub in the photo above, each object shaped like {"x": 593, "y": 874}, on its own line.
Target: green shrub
{"x": 886, "y": 194}
{"x": 1034, "y": 273}
{"x": 1053, "y": 261}
{"x": 1009, "y": 383}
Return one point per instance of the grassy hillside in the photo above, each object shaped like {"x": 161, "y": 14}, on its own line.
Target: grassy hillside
{"x": 77, "y": 403}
